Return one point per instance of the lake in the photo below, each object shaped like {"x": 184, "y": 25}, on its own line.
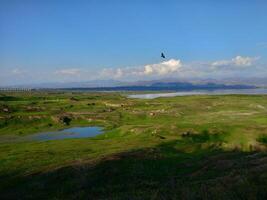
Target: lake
{"x": 70, "y": 133}
{"x": 200, "y": 92}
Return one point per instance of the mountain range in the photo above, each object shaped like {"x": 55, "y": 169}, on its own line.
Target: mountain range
{"x": 162, "y": 84}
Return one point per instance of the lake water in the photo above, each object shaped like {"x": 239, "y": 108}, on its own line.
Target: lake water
{"x": 200, "y": 92}
{"x": 75, "y": 132}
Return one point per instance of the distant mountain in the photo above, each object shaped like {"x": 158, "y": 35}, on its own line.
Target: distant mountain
{"x": 166, "y": 86}
{"x": 255, "y": 81}
{"x": 163, "y": 84}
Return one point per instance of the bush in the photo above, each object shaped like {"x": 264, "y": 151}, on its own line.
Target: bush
{"x": 66, "y": 120}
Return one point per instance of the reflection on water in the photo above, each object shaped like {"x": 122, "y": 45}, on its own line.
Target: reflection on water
{"x": 76, "y": 132}
{"x": 200, "y": 92}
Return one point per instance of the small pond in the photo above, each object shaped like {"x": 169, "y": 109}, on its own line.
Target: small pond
{"x": 75, "y": 132}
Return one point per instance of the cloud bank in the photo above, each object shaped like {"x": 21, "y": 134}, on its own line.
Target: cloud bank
{"x": 236, "y": 67}
{"x": 237, "y": 61}
{"x": 68, "y": 72}
{"x": 177, "y": 68}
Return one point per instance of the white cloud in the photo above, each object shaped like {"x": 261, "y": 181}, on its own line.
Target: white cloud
{"x": 159, "y": 69}
{"x": 237, "y": 61}
{"x": 69, "y": 72}
{"x": 163, "y": 68}
{"x": 111, "y": 73}
{"x": 16, "y": 71}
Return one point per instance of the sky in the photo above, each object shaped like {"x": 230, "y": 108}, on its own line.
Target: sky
{"x": 71, "y": 41}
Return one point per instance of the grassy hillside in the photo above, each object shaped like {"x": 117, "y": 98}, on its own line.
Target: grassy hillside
{"x": 193, "y": 147}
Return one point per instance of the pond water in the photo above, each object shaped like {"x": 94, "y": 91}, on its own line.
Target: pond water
{"x": 75, "y": 132}
{"x": 200, "y": 92}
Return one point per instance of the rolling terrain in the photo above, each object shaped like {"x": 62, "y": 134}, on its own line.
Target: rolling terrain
{"x": 191, "y": 147}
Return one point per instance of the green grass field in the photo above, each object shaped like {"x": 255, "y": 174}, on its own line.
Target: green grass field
{"x": 191, "y": 147}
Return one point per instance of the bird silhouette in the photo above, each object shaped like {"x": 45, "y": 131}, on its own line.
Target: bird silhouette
{"x": 162, "y": 55}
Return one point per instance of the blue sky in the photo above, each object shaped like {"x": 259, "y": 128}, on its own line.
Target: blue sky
{"x": 57, "y": 40}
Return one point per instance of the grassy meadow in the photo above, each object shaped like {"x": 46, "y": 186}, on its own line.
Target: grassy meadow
{"x": 190, "y": 147}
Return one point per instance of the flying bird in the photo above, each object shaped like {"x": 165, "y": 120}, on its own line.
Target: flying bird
{"x": 162, "y": 55}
